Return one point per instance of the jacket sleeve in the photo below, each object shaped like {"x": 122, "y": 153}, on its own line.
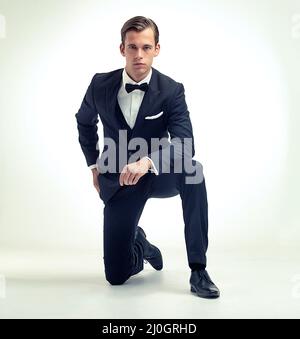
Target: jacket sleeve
{"x": 181, "y": 134}
{"x": 87, "y": 119}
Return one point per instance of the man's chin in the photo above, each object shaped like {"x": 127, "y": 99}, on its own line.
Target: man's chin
{"x": 141, "y": 69}
{"x": 140, "y": 72}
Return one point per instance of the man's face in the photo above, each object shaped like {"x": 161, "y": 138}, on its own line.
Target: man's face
{"x": 139, "y": 50}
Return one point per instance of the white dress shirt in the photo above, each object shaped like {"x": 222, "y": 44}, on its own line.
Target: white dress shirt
{"x": 130, "y": 104}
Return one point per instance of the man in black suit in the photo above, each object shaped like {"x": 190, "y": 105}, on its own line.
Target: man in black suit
{"x": 139, "y": 106}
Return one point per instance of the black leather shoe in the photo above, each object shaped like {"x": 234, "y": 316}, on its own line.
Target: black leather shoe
{"x": 151, "y": 253}
{"x": 203, "y": 285}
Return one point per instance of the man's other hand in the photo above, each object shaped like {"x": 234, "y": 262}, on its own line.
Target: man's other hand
{"x": 95, "y": 179}
{"x": 131, "y": 173}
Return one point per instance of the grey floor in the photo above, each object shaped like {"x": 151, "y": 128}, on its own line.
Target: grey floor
{"x": 68, "y": 285}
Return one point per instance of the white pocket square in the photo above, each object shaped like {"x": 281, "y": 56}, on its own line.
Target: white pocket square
{"x": 150, "y": 117}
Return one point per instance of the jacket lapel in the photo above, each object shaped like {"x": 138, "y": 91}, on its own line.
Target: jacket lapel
{"x": 111, "y": 94}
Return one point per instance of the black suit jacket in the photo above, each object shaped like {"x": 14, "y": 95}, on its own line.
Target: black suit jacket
{"x": 163, "y": 95}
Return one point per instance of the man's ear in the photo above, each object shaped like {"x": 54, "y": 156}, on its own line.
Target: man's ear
{"x": 157, "y": 50}
{"x": 122, "y": 49}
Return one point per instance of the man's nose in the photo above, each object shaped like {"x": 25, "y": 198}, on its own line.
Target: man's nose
{"x": 139, "y": 53}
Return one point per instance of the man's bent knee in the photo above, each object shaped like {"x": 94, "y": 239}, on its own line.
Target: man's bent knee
{"x": 117, "y": 279}
{"x": 116, "y": 282}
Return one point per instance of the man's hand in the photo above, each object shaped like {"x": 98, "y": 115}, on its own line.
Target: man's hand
{"x": 95, "y": 179}
{"x": 131, "y": 173}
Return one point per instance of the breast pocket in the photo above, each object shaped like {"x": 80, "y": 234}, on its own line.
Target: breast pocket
{"x": 154, "y": 116}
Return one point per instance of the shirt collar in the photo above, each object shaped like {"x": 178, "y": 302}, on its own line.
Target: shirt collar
{"x": 128, "y": 80}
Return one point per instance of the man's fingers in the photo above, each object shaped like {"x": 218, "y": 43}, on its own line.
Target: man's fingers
{"x": 130, "y": 175}
{"x": 122, "y": 175}
{"x": 126, "y": 178}
{"x": 131, "y": 178}
{"x": 136, "y": 179}
{"x": 95, "y": 180}
{"x": 96, "y": 185}
{"x": 121, "y": 179}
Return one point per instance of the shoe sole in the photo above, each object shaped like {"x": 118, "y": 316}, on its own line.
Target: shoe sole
{"x": 206, "y": 296}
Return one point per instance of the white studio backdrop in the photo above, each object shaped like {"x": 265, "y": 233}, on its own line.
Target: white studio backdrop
{"x": 239, "y": 63}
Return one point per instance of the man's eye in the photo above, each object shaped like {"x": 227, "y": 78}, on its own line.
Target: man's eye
{"x": 147, "y": 47}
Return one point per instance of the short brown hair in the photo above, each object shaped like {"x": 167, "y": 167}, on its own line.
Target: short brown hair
{"x": 138, "y": 24}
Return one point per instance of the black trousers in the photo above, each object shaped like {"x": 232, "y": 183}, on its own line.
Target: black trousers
{"x": 123, "y": 256}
